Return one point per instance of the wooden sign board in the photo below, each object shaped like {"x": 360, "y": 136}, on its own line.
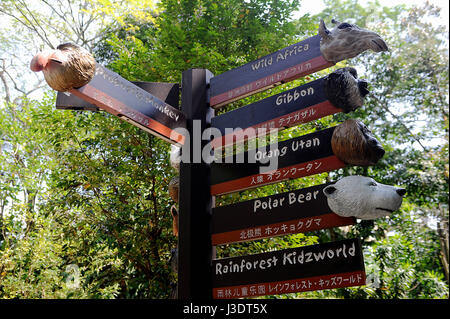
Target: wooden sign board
{"x": 298, "y": 157}
{"x": 282, "y": 66}
{"x": 298, "y": 211}
{"x": 326, "y": 266}
{"x": 112, "y": 93}
{"x": 302, "y": 104}
{"x": 167, "y": 92}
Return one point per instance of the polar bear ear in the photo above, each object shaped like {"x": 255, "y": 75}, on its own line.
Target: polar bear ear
{"x": 329, "y": 190}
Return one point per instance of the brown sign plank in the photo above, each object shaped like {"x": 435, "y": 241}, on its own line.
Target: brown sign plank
{"x": 112, "y": 93}
{"x": 167, "y": 92}
{"x": 297, "y": 157}
{"x": 282, "y": 66}
{"x": 302, "y": 104}
{"x": 317, "y": 267}
{"x": 298, "y": 211}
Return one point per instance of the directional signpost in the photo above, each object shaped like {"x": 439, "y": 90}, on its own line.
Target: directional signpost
{"x": 325, "y": 266}
{"x": 298, "y": 211}
{"x": 282, "y": 66}
{"x": 201, "y": 226}
{"x": 112, "y": 93}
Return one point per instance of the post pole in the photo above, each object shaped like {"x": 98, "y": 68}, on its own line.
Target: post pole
{"x": 194, "y": 240}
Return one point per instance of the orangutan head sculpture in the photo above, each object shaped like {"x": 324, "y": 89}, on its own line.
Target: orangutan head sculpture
{"x": 353, "y": 143}
{"x": 66, "y": 68}
{"x": 347, "y": 40}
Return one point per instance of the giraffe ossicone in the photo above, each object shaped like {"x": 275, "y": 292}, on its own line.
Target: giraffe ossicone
{"x": 347, "y": 40}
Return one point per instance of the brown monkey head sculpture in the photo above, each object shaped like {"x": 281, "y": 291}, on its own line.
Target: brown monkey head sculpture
{"x": 344, "y": 90}
{"x": 347, "y": 40}
{"x": 174, "y": 188}
{"x": 66, "y": 68}
{"x": 353, "y": 143}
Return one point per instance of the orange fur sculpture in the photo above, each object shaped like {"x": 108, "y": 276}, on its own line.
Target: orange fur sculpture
{"x": 353, "y": 143}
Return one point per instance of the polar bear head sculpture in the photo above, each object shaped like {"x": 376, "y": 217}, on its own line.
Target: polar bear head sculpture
{"x": 362, "y": 197}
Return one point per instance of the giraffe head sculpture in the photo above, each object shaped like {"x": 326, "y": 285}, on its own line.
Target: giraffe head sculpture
{"x": 347, "y": 40}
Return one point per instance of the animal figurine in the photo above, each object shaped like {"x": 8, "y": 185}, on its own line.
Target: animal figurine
{"x": 174, "y": 188}
{"x": 353, "y": 143}
{"x": 66, "y": 68}
{"x": 344, "y": 90}
{"x": 362, "y": 197}
{"x": 347, "y": 40}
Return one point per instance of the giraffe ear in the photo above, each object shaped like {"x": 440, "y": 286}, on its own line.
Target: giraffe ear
{"x": 323, "y": 31}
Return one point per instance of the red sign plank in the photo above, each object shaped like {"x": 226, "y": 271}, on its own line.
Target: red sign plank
{"x": 282, "y": 66}
{"x": 112, "y": 93}
{"x": 298, "y": 211}
{"x": 324, "y": 266}
{"x": 294, "y": 226}
{"x": 290, "y": 172}
{"x": 297, "y": 157}
{"x": 305, "y": 115}
{"x": 342, "y": 280}
{"x": 167, "y": 92}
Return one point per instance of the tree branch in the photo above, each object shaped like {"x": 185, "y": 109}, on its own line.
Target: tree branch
{"x": 401, "y": 123}
{"x": 5, "y": 83}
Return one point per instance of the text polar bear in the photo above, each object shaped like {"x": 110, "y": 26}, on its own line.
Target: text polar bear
{"x": 362, "y": 197}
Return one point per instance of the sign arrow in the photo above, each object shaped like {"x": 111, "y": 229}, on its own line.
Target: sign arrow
{"x": 282, "y": 66}
{"x": 298, "y": 211}
{"x": 299, "y": 105}
{"x": 112, "y": 93}
{"x": 324, "y": 266}
{"x": 297, "y": 157}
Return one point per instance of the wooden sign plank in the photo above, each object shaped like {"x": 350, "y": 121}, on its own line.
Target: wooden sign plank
{"x": 298, "y": 211}
{"x": 282, "y": 66}
{"x": 302, "y": 104}
{"x": 317, "y": 267}
{"x": 112, "y": 93}
{"x": 298, "y": 157}
{"x": 167, "y": 92}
